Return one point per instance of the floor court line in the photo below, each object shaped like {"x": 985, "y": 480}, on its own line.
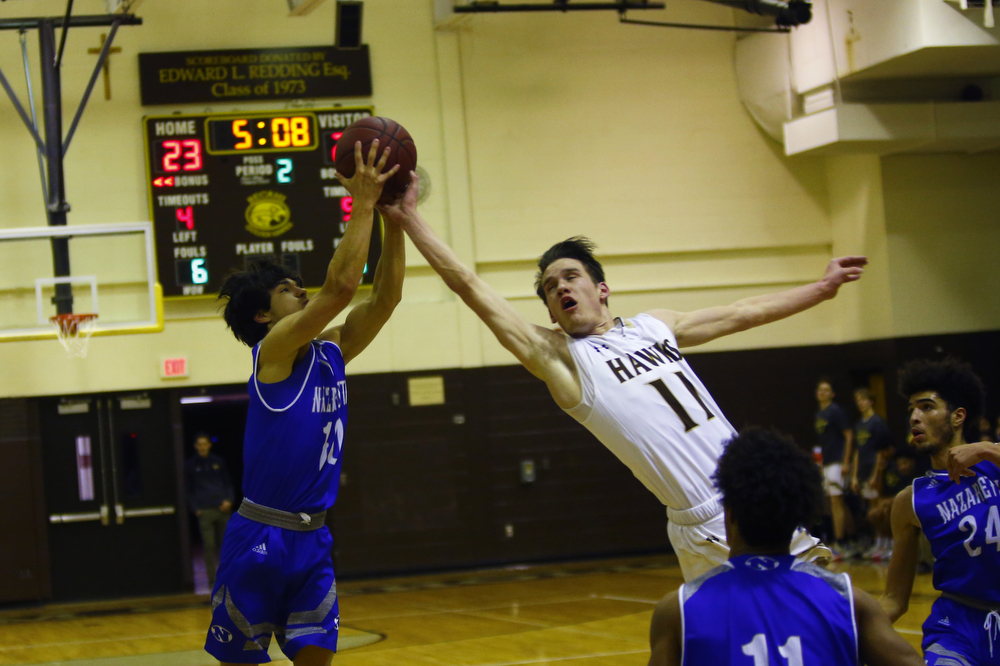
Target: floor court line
{"x": 542, "y": 660}
{"x": 117, "y": 639}
{"x": 571, "y": 628}
{"x": 424, "y": 609}
{"x": 632, "y": 599}
{"x": 197, "y": 657}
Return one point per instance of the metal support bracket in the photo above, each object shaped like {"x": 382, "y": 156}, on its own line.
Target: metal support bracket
{"x": 695, "y": 26}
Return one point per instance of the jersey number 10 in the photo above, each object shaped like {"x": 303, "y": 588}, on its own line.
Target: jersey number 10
{"x": 757, "y": 648}
{"x": 331, "y": 449}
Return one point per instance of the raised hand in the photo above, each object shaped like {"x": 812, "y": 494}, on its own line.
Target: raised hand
{"x": 843, "y": 270}
{"x": 366, "y": 183}
{"x": 961, "y": 458}
{"x": 404, "y": 209}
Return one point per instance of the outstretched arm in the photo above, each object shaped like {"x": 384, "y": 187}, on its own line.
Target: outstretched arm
{"x": 878, "y": 642}
{"x": 535, "y": 347}
{"x": 367, "y": 319}
{"x": 701, "y": 326}
{"x": 343, "y": 275}
{"x": 665, "y": 632}
{"x": 905, "y": 551}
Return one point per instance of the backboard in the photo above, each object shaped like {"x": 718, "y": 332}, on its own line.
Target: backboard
{"x": 112, "y": 274}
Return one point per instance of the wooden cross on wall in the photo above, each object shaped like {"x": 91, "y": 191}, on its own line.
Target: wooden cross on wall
{"x": 107, "y": 64}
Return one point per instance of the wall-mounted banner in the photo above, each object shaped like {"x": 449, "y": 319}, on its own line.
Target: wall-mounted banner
{"x": 187, "y": 77}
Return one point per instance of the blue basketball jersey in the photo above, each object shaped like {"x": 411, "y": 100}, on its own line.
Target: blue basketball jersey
{"x": 768, "y": 611}
{"x": 962, "y": 522}
{"x": 295, "y": 433}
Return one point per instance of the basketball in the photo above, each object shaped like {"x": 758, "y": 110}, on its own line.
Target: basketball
{"x": 402, "y": 151}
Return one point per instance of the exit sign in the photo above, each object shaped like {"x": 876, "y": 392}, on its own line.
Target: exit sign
{"x": 174, "y": 367}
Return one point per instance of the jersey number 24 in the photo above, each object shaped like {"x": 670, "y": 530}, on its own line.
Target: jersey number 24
{"x": 992, "y": 531}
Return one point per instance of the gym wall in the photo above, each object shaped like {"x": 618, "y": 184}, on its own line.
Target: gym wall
{"x": 534, "y": 128}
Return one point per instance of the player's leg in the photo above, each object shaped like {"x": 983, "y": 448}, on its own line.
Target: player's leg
{"x": 879, "y": 515}
{"x": 312, "y": 625}
{"x": 833, "y": 486}
{"x": 220, "y": 530}
{"x": 207, "y": 519}
{"x": 247, "y": 595}
{"x": 699, "y": 548}
{"x": 313, "y": 655}
{"x": 955, "y": 634}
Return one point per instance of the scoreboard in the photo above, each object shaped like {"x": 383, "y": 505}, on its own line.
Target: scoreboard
{"x": 227, "y": 188}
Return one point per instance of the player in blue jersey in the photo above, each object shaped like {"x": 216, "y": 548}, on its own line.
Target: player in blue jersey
{"x": 959, "y": 513}
{"x": 276, "y": 574}
{"x": 764, "y": 607}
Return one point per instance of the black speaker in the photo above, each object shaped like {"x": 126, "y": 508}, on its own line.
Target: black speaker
{"x": 348, "y": 24}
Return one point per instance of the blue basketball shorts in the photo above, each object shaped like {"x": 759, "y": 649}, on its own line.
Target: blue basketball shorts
{"x": 957, "y": 635}
{"x": 272, "y": 581}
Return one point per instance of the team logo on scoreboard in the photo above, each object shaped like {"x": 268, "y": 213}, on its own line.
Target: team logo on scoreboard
{"x": 268, "y": 215}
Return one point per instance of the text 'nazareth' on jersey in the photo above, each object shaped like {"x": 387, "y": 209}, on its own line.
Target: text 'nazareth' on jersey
{"x": 980, "y": 491}
{"x": 330, "y": 398}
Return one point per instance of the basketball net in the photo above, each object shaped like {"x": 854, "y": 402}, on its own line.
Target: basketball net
{"x": 74, "y": 331}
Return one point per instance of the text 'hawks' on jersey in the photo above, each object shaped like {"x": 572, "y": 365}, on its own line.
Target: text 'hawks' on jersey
{"x": 293, "y": 446}
{"x": 643, "y": 401}
{"x": 962, "y": 523}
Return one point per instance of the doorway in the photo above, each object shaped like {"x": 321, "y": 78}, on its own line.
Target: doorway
{"x": 221, "y": 415}
{"x": 112, "y": 477}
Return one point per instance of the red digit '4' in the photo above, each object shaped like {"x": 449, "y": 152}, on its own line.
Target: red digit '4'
{"x": 186, "y": 215}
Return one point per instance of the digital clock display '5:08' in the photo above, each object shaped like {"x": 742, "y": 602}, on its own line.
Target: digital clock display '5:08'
{"x": 254, "y": 134}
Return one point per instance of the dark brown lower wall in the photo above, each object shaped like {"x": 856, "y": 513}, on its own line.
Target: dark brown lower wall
{"x": 24, "y": 562}
{"x": 437, "y": 487}
{"x": 440, "y": 486}
{"x": 776, "y": 387}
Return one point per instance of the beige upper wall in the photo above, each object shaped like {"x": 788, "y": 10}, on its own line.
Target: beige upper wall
{"x": 943, "y": 224}
{"x": 533, "y": 128}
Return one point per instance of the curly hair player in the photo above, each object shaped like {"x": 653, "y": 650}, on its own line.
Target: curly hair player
{"x": 276, "y": 574}
{"x": 957, "y": 507}
{"x": 625, "y": 380}
{"x": 763, "y": 603}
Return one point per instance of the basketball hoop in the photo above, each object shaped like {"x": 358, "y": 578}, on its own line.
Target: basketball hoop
{"x": 74, "y": 331}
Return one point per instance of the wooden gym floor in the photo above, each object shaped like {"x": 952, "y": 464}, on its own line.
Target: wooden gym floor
{"x": 579, "y": 614}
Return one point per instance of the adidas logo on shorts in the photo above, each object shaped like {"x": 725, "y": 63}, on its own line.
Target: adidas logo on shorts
{"x": 945, "y": 621}
{"x": 260, "y": 550}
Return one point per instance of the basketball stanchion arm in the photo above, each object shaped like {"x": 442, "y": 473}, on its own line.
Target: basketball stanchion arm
{"x": 105, "y": 49}
{"x": 558, "y": 6}
{"x": 21, "y": 112}
{"x": 22, "y": 37}
{"x": 65, "y": 33}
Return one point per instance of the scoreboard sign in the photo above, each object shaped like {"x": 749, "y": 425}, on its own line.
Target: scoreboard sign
{"x": 188, "y": 77}
{"x": 228, "y": 188}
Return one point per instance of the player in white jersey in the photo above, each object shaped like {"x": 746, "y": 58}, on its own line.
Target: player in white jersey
{"x": 626, "y": 380}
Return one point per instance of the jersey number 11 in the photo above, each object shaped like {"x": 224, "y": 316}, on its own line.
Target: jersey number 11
{"x": 757, "y": 648}
{"x": 675, "y": 404}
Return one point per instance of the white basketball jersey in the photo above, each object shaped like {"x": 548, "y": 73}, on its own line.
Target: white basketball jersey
{"x": 643, "y": 401}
